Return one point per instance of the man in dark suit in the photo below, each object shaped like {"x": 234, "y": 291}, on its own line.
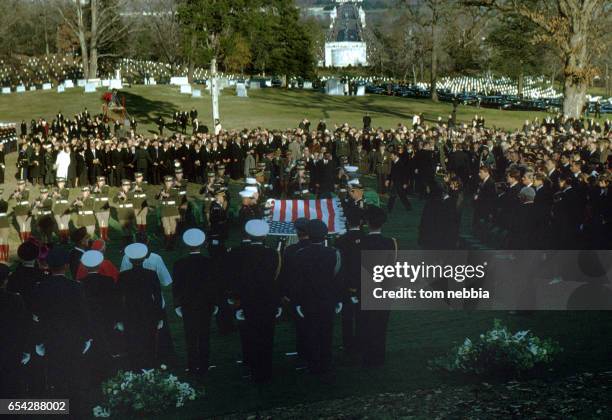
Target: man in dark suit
{"x": 485, "y": 197}
{"x": 25, "y": 278}
{"x": 367, "y": 122}
{"x": 567, "y": 214}
{"x": 142, "y": 160}
{"x": 143, "y": 314}
{"x": 157, "y": 158}
{"x": 459, "y": 163}
{"x": 397, "y": 183}
{"x": 374, "y": 331}
{"x": 253, "y": 269}
{"x": 324, "y": 174}
{"x": 196, "y": 292}
{"x": 349, "y": 246}
{"x": 319, "y": 295}
{"x": 95, "y": 162}
{"x": 508, "y": 200}
{"x": 542, "y": 204}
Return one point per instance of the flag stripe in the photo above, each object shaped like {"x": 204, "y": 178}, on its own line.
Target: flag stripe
{"x": 307, "y": 209}
{"x": 318, "y": 207}
{"x": 294, "y": 210}
{"x": 330, "y": 208}
{"x": 282, "y": 210}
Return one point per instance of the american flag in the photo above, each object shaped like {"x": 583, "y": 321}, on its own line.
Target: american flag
{"x": 284, "y": 212}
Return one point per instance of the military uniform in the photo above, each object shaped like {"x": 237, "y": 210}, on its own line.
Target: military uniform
{"x": 124, "y": 202}
{"x": 207, "y": 192}
{"x": 4, "y": 229}
{"x": 61, "y": 210}
{"x": 169, "y": 201}
{"x": 85, "y": 211}
{"x": 102, "y": 207}
{"x": 141, "y": 207}
{"x": 44, "y": 215}
{"x": 219, "y": 225}
{"x": 180, "y": 185}
{"x": 22, "y": 211}
{"x": 299, "y": 185}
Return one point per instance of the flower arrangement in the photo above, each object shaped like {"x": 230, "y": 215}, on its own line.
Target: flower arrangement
{"x": 107, "y": 97}
{"x": 499, "y": 352}
{"x": 151, "y": 391}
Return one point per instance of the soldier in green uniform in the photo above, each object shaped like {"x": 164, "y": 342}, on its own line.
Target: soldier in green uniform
{"x": 61, "y": 209}
{"x": 43, "y": 208}
{"x": 4, "y": 228}
{"x": 341, "y": 181}
{"x": 22, "y": 210}
{"x": 141, "y": 207}
{"x": 102, "y": 207}
{"x": 219, "y": 226}
{"x": 84, "y": 205}
{"x": 124, "y": 202}
{"x": 298, "y": 187}
{"x": 222, "y": 178}
{"x": 180, "y": 185}
{"x": 208, "y": 196}
{"x": 169, "y": 201}
{"x": 381, "y": 161}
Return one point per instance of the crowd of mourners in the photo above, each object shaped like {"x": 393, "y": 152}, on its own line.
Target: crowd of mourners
{"x": 72, "y": 318}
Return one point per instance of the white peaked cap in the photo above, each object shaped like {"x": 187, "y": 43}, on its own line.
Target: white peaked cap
{"x": 251, "y": 181}
{"x": 246, "y": 194}
{"x": 92, "y": 259}
{"x": 194, "y": 237}
{"x": 351, "y": 168}
{"x": 136, "y": 251}
{"x": 257, "y": 228}
{"x": 251, "y": 189}
{"x": 353, "y": 182}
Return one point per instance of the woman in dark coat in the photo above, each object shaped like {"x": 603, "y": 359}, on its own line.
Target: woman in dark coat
{"x": 36, "y": 165}
{"x": 72, "y": 168}
{"x": 81, "y": 168}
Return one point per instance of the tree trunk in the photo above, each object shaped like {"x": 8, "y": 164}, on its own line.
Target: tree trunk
{"x": 519, "y": 81}
{"x": 93, "y": 40}
{"x": 93, "y": 63}
{"x": 434, "y": 60}
{"x": 576, "y": 73}
{"x": 84, "y": 55}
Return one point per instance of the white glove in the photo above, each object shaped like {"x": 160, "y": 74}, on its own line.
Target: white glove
{"x": 279, "y": 312}
{"x": 35, "y": 318}
{"x": 160, "y": 324}
{"x": 240, "y": 314}
{"x": 179, "y": 311}
{"x": 25, "y": 358}
{"x": 298, "y": 309}
{"x": 119, "y": 326}
{"x": 40, "y": 350}
{"x": 215, "y": 310}
{"x": 354, "y": 299}
{"x": 230, "y": 301}
{"x": 87, "y": 345}
{"x": 338, "y": 307}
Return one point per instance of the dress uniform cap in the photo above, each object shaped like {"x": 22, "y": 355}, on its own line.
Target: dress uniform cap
{"x": 57, "y": 257}
{"x": 27, "y": 251}
{"x": 301, "y": 224}
{"x": 221, "y": 167}
{"x": 210, "y": 173}
{"x": 85, "y": 189}
{"x": 251, "y": 181}
{"x": 178, "y": 171}
{"x": 136, "y": 251}
{"x": 44, "y": 190}
{"x": 246, "y": 194}
{"x": 316, "y": 229}
{"x": 257, "y": 228}
{"x": 126, "y": 182}
{"x": 351, "y": 169}
{"x": 61, "y": 179}
{"x": 101, "y": 178}
{"x": 21, "y": 182}
{"x": 194, "y": 237}
{"x": 168, "y": 178}
{"x": 92, "y": 259}
{"x": 138, "y": 175}
{"x": 251, "y": 188}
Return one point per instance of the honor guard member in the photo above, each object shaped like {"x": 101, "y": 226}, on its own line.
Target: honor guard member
{"x": 85, "y": 204}
{"x": 169, "y": 202}
{"x": 374, "y": 331}
{"x": 298, "y": 187}
{"x": 180, "y": 185}
{"x": 208, "y": 196}
{"x": 141, "y": 208}
{"x": 22, "y": 210}
{"x": 196, "y": 292}
{"x": 44, "y": 216}
{"x": 4, "y": 228}
{"x": 319, "y": 295}
{"x": 254, "y": 271}
{"x": 102, "y": 207}
{"x": 349, "y": 246}
{"x": 247, "y": 209}
{"x": 142, "y": 297}
{"x": 124, "y": 202}
{"x": 355, "y": 200}
{"x": 219, "y": 225}
{"x": 222, "y": 177}
{"x": 61, "y": 209}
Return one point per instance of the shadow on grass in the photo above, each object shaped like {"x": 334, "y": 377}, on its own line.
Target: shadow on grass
{"x": 146, "y": 110}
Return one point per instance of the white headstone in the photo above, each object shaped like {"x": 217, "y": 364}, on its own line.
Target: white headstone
{"x": 97, "y": 82}
{"x": 186, "y": 89}
{"x": 20, "y": 89}
{"x": 241, "y": 90}
{"x": 106, "y": 83}
{"x": 46, "y": 86}
{"x": 6, "y": 90}
{"x": 115, "y": 84}
{"x": 360, "y": 90}
{"x": 334, "y": 87}
{"x": 90, "y": 87}
{"x": 60, "y": 88}
{"x": 307, "y": 85}
{"x": 68, "y": 84}
{"x": 179, "y": 81}
{"x": 81, "y": 82}
{"x": 32, "y": 88}
{"x": 254, "y": 85}
{"x": 268, "y": 83}
{"x": 196, "y": 93}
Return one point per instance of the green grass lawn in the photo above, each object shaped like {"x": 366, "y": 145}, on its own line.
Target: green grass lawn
{"x": 271, "y": 108}
{"x": 413, "y": 337}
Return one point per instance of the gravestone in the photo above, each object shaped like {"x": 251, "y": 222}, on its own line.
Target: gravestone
{"x": 268, "y": 83}
{"x": 196, "y": 93}
{"x": 60, "y": 88}
{"x": 241, "y": 90}
{"x": 255, "y": 85}
{"x": 105, "y": 83}
{"x": 90, "y": 87}
{"x": 81, "y": 82}
{"x": 360, "y": 90}
{"x": 186, "y": 89}
{"x": 32, "y": 88}
{"x": 307, "y": 85}
{"x": 46, "y": 86}
{"x": 334, "y": 87}
{"x": 20, "y": 89}
{"x": 6, "y": 90}
{"x": 115, "y": 84}
{"x": 179, "y": 80}
{"x": 68, "y": 84}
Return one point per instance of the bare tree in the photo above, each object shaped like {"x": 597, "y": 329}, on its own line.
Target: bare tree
{"x": 573, "y": 27}
{"x": 165, "y": 30}
{"x": 96, "y": 24}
